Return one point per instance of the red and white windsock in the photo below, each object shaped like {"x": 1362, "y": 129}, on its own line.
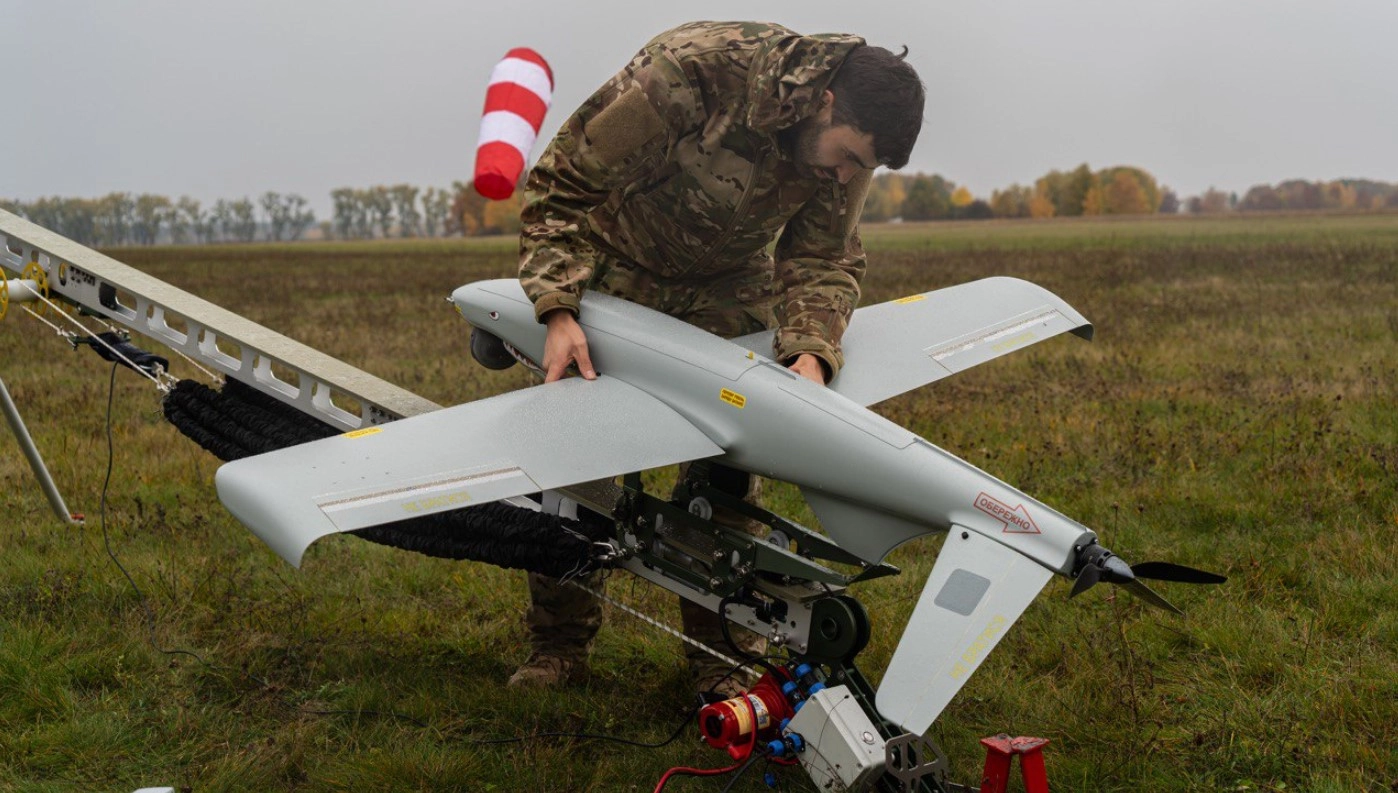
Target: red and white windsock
{"x": 521, "y": 88}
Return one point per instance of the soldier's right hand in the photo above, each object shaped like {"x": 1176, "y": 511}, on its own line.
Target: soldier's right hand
{"x": 566, "y": 343}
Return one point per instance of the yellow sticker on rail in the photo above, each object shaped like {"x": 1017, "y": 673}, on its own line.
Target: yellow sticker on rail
{"x": 733, "y": 398}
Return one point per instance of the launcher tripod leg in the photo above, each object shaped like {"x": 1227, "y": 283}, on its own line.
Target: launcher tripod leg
{"x": 36, "y": 462}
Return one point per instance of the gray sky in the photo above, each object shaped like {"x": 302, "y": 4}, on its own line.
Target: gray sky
{"x": 214, "y": 98}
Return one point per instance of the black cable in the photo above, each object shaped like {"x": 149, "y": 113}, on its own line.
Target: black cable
{"x": 757, "y": 754}
{"x": 107, "y": 543}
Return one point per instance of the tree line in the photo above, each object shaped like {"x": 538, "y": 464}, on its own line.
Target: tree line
{"x": 125, "y": 219}
{"x": 1122, "y": 190}
{"x": 405, "y": 210}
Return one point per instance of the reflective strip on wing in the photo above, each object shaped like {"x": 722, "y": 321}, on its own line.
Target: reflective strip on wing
{"x": 976, "y": 591}
{"x": 894, "y": 347}
{"x": 534, "y": 439}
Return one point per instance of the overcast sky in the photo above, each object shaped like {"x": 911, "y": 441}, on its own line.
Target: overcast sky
{"x": 214, "y": 98}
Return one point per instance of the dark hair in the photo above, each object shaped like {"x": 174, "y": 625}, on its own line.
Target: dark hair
{"x": 878, "y": 93}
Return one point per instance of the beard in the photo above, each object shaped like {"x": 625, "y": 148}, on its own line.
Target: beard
{"x": 805, "y": 148}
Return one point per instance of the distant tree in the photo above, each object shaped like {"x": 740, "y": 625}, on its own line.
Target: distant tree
{"x": 244, "y": 220}
{"x": 467, "y": 211}
{"x": 287, "y": 215}
{"x": 1300, "y": 194}
{"x": 502, "y": 217}
{"x": 201, "y": 223}
{"x": 379, "y": 203}
{"x": 404, "y": 197}
{"x": 1169, "y": 202}
{"x": 271, "y": 202}
{"x": 978, "y": 209}
{"x": 961, "y": 197}
{"x": 114, "y": 218}
{"x": 1040, "y": 206}
{"x": 1123, "y": 202}
{"x": 221, "y": 220}
{"x": 1370, "y": 194}
{"x": 1067, "y": 190}
{"x": 35, "y": 212}
{"x": 147, "y": 218}
{"x": 1338, "y": 195}
{"x": 929, "y": 198}
{"x": 1212, "y": 202}
{"x": 885, "y": 200}
{"x": 1012, "y": 202}
{"x": 299, "y": 215}
{"x": 342, "y": 200}
{"x": 1094, "y": 202}
{"x": 1123, "y": 194}
{"x": 436, "y": 206}
{"x": 1260, "y": 197}
{"x": 363, "y": 214}
{"x": 177, "y": 221}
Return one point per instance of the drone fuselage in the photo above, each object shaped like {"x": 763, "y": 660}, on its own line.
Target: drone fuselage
{"x": 874, "y": 484}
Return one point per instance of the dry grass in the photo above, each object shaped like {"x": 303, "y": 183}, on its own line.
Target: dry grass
{"x": 1238, "y": 412}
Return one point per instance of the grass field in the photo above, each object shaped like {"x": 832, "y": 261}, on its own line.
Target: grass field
{"x": 1237, "y": 412}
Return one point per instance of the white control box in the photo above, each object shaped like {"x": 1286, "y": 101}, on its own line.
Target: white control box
{"x": 844, "y": 750}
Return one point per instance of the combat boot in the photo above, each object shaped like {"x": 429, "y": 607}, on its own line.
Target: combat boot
{"x": 721, "y": 687}
{"x": 547, "y": 671}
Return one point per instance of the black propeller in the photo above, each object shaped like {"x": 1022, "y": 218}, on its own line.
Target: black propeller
{"x": 1095, "y": 564}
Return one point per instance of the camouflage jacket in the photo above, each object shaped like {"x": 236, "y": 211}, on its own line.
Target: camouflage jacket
{"x": 678, "y": 166}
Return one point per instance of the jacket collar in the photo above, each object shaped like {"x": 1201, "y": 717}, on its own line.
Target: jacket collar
{"x": 788, "y": 76}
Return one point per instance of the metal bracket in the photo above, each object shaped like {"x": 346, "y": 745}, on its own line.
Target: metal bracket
{"x": 907, "y": 760}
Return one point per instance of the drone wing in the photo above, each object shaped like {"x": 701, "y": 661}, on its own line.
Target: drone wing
{"x": 894, "y": 347}
{"x": 521, "y": 442}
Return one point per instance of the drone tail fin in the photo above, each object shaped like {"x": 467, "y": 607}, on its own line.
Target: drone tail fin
{"x": 976, "y": 591}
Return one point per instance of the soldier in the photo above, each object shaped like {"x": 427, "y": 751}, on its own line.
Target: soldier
{"x": 666, "y": 188}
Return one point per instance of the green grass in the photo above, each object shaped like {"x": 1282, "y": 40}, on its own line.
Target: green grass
{"x": 1237, "y": 412}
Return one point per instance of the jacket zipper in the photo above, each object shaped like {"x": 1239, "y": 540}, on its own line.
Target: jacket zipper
{"x": 738, "y": 213}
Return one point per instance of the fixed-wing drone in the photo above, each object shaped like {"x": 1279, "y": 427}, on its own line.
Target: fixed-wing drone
{"x": 668, "y": 393}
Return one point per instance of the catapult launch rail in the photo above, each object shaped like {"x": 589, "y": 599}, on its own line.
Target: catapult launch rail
{"x": 34, "y": 258}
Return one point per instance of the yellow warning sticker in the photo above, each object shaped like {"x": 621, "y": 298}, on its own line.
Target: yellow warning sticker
{"x": 910, "y": 299}
{"x": 437, "y": 502}
{"x": 1013, "y": 342}
{"x": 733, "y": 398}
{"x": 363, "y": 432}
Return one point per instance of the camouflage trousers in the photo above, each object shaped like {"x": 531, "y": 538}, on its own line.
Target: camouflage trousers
{"x": 562, "y": 619}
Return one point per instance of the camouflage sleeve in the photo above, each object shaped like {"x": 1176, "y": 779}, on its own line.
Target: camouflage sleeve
{"x": 820, "y": 262}
{"x": 621, "y": 133}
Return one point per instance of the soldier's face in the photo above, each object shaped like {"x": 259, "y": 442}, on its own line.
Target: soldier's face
{"x": 833, "y": 152}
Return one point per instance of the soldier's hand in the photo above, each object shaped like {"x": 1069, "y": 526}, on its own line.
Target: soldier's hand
{"x": 809, "y": 367}
{"x": 566, "y": 343}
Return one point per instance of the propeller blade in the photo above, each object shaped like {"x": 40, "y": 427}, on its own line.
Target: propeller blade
{"x": 1166, "y": 571}
{"x": 1149, "y": 595}
{"x": 1089, "y": 576}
